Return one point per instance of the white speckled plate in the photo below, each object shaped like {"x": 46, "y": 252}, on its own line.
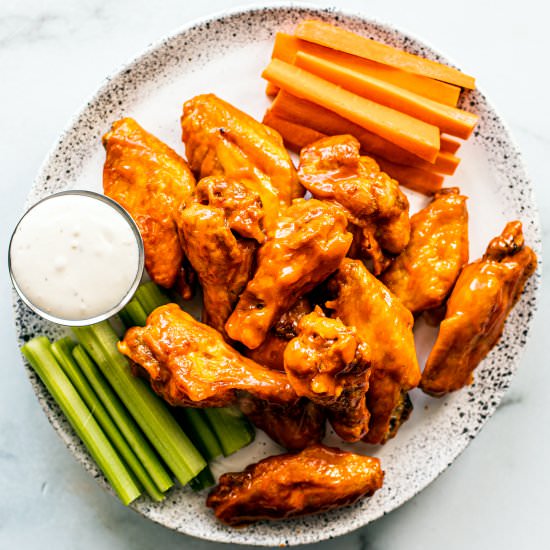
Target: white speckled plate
{"x": 225, "y": 55}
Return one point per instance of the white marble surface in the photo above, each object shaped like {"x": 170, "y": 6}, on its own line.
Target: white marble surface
{"x": 52, "y": 56}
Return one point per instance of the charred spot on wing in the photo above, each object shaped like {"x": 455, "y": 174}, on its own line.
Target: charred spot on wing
{"x": 400, "y": 414}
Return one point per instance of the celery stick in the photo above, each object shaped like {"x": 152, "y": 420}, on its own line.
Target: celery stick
{"x": 63, "y": 352}
{"x": 38, "y": 353}
{"x": 199, "y": 430}
{"x": 125, "y": 318}
{"x": 231, "y": 427}
{"x": 131, "y": 431}
{"x": 135, "y": 314}
{"x": 204, "y": 480}
{"x": 150, "y": 296}
{"x": 160, "y": 427}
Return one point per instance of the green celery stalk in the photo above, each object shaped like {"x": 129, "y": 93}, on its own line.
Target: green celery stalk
{"x": 133, "y": 314}
{"x": 160, "y": 427}
{"x": 204, "y": 480}
{"x": 231, "y": 427}
{"x": 38, "y": 353}
{"x": 124, "y": 317}
{"x": 63, "y": 352}
{"x": 199, "y": 430}
{"x": 123, "y": 420}
{"x": 150, "y": 296}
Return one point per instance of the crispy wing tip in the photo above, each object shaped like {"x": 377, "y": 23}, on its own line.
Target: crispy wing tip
{"x": 509, "y": 242}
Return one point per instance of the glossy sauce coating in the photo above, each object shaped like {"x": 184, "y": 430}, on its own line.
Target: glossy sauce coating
{"x": 423, "y": 275}
{"x": 307, "y": 245}
{"x": 189, "y": 364}
{"x": 315, "y": 480}
{"x": 222, "y": 140}
{"x": 362, "y": 301}
{"x": 330, "y": 365}
{"x": 271, "y": 351}
{"x": 485, "y": 292}
{"x": 332, "y": 169}
{"x": 220, "y": 229}
{"x": 150, "y": 181}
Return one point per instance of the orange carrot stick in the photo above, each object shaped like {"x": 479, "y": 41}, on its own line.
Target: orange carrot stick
{"x": 294, "y": 135}
{"x": 340, "y": 39}
{"x": 448, "y": 144}
{"x": 449, "y": 119}
{"x": 286, "y": 47}
{"x": 305, "y": 113}
{"x": 445, "y": 163}
{"x": 271, "y": 90}
{"x": 413, "y": 178}
{"x": 411, "y": 134}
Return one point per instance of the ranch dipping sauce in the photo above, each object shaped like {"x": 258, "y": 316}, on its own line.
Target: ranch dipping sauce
{"x": 75, "y": 257}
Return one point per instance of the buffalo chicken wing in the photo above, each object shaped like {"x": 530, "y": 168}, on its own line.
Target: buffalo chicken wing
{"x": 330, "y": 365}
{"x": 189, "y": 364}
{"x": 220, "y": 229}
{"x": 306, "y": 246}
{"x": 150, "y": 181}
{"x": 315, "y": 480}
{"x": 360, "y": 300}
{"x": 484, "y": 294}
{"x": 423, "y": 275}
{"x": 222, "y": 140}
{"x": 332, "y": 169}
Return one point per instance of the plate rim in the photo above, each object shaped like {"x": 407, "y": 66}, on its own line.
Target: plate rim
{"x": 144, "y": 53}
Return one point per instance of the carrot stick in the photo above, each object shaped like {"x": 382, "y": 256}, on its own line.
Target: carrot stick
{"x": 294, "y": 135}
{"x": 448, "y": 144}
{"x": 409, "y": 176}
{"x": 305, "y": 113}
{"x": 449, "y": 119}
{"x": 287, "y": 46}
{"x": 445, "y": 163}
{"x": 411, "y": 134}
{"x": 271, "y": 90}
{"x": 340, "y": 39}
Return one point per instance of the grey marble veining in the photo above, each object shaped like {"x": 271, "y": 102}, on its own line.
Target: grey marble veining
{"x": 52, "y": 56}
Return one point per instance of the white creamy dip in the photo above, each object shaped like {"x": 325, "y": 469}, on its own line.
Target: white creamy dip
{"x": 74, "y": 257}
